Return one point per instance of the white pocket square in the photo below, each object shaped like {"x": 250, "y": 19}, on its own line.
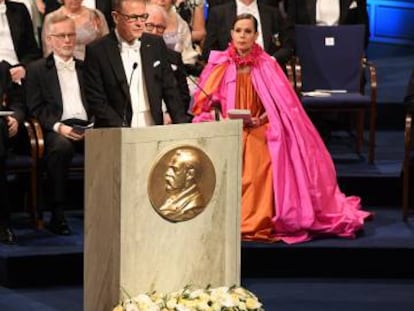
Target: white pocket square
{"x": 353, "y": 5}
{"x": 173, "y": 67}
{"x": 156, "y": 63}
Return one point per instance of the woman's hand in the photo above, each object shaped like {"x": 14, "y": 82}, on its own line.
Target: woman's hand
{"x": 257, "y": 121}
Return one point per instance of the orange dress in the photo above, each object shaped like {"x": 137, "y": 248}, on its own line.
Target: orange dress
{"x": 257, "y": 186}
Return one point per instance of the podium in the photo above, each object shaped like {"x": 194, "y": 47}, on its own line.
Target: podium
{"x": 137, "y": 243}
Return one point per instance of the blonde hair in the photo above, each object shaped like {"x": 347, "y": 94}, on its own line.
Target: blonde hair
{"x": 56, "y": 19}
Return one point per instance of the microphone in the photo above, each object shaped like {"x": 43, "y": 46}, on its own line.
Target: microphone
{"x": 124, "y": 120}
{"x": 214, "y": 103}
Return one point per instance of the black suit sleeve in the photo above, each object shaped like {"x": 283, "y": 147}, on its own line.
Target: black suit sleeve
{"x": 364, "y": 19}
{"x": 23, "y": 34}
{"x": 211, "y": 41}
{"x": 45, "y": 112}
{"x": 96, "y": 94}
{"x": 285, "y": 43}
{"x": 181, "y": 77}
{"x": 16, "y": 102}
{"x": 170, "y": 93}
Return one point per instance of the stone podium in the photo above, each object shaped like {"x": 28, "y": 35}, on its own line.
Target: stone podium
{"x": 129, "y": 247}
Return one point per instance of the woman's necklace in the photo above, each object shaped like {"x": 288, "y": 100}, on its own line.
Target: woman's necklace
{"x": 73, "y": 15}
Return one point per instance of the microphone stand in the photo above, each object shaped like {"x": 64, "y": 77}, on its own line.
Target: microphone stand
{"x": 214, "y": 103}
{"x": 124, "y": 120}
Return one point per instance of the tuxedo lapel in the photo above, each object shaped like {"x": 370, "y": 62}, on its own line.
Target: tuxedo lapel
{"x": 147, "y": 63}
{"x": 79, "y": 73}
{"x": 52, "y": 80}
{"x": 14, "y": 25}
{"x": 114, "y": 56}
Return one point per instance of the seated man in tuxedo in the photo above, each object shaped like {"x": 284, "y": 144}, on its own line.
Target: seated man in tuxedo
{"x": 156, "y": 24}
{"x": 11, "y": 99}
{"x": 54, "y": 88}
{"x": 17, "y": 42}
{"x": 128, "y": 76}
{"x": 276, "y": 36}
{"x": 329, "y": 13}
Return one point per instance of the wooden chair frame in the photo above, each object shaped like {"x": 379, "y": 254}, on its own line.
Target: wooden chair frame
{"x": 408, "y": 146}
{"x": 32, "y": 203}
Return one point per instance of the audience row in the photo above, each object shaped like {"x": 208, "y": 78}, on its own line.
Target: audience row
{"x": 135, "y": 73}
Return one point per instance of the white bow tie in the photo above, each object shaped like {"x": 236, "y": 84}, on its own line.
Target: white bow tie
{"x": 134, "y": 46}
{"x": 3, "y": 8}
{"x": 69, "y": 65}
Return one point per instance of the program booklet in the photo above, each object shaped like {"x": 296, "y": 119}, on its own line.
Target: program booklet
{"x": 79, "y": 125}
{"x": 243, "y": 114}
{"x": 5, "y": 113}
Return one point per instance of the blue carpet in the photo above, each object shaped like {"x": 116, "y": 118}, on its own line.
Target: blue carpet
{"x": 333, "y": 294}
{"x": 277, "y": 294}
{"x": 12, "y": 301}
{"x": 43, "y": 242}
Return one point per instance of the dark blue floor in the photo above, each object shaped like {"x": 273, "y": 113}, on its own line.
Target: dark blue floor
{"x": 277, "y": 294}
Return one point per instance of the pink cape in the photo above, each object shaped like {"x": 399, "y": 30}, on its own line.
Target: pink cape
{"x": 308, "y": 201}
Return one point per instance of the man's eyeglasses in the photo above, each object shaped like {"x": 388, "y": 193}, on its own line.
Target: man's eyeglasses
{"x": 134, "y": 17}
{"x": 151, "y": 26}
{"x": 63, "y": 36}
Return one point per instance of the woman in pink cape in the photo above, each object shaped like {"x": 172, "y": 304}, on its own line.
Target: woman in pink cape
{"x": 289, "y": 186}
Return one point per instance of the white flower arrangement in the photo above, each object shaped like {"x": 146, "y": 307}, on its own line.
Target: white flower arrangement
{"x": 233, "y": 298}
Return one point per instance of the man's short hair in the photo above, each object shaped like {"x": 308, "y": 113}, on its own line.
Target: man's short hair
{"x": 118, "y": 3}
{"x": 153, "y": 8}
{"x": 55, "y": 19}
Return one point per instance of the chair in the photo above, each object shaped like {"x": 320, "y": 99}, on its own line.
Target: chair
{"x": 407, "y": 165}
{"x": 25, "y": 161}
{"x": 76, "y": 166}
{"x": 331, "y": 59}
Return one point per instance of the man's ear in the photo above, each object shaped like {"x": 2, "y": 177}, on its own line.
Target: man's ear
{"x": 114, "y": 17}
{"x": 190, "y": 174}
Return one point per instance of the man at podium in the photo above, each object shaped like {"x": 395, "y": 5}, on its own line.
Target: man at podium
{"x": 128, "y": 74}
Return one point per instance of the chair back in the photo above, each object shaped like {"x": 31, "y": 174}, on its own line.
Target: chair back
{"x": 330, "y": 56}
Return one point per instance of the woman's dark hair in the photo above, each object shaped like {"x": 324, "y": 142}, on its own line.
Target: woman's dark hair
{"x": 246, "y": 16}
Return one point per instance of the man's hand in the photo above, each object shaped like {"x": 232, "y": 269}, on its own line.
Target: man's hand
{"x": 68, "y": 132}
{"x": 12, "y": 125}
{"x": 167, "y": 118}
{"x": 17, "y": 73}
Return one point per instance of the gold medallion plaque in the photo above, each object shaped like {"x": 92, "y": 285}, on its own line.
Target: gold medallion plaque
{"x": 181, "y": 183}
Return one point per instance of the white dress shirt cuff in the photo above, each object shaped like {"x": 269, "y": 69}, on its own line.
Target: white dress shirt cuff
{"x": 56, "y": 126}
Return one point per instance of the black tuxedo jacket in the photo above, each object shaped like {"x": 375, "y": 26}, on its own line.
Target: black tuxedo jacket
{"x": 304, "y": 12}
{"x": 180, "y": 73}
{"x": 107, "y": 87}
{"x": 15, "y": 100}
{"x": 219, "y": 24}
{"x": 21, "y": 29}
{"x": 43, "y": 93}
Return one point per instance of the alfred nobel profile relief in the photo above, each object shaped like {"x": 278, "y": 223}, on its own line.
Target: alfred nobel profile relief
{"x": 185, "y": 194}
